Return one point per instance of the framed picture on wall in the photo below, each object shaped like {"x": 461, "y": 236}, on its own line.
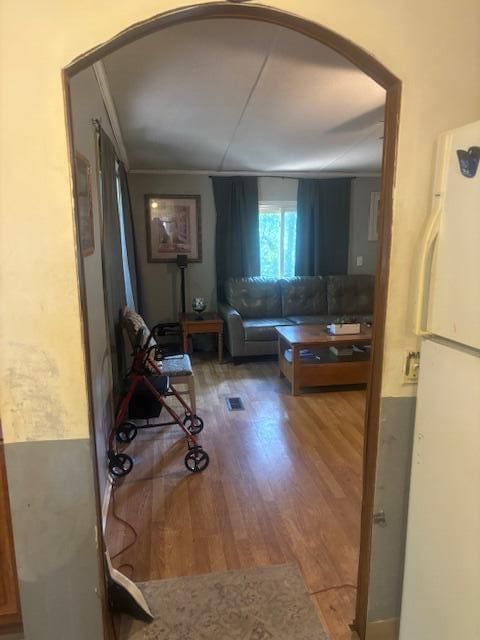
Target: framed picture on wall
{"x": 173, "y": 227}
{"x": 374, "y": 209}
{"x": 84, "y": 204}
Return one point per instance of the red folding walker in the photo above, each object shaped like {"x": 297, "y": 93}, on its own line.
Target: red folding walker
{"x": 145, "y": 370}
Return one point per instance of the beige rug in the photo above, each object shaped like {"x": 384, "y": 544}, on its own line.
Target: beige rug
{"x": 268, "y": 603}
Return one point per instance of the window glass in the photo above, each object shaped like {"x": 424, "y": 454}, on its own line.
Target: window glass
{"x": 289, "y": 240}
{"x": 277, "y": 229}
{"x": 270, "y": 232}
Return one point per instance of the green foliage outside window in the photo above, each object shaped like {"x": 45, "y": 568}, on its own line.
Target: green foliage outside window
{"x": 277, "y": 242}
{"x": 289, "y": 240}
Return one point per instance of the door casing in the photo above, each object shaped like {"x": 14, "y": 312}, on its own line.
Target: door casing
{"x": 374, "y": 69}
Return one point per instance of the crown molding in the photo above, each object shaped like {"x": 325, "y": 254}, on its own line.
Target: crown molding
{"x": 265, "y": 174}
{"x": 104, "y": 86}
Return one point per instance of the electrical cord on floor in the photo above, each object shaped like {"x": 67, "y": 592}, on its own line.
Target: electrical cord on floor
{"x": 125, "y": 548}
{"x": 128, "y": 525}
{"x": 135, "y": 538}
{"x": 340, "y": 586}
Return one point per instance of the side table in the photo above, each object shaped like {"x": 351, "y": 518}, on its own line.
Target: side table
{"x": 211, "y": 323}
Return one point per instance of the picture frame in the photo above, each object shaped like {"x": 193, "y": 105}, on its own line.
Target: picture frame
{"x": 374, "y": 211}
{"x": 84, "y": 204}
{"x": 173, "y": 224}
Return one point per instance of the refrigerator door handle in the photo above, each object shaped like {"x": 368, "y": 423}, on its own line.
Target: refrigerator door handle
{"x": 425, "y": 273}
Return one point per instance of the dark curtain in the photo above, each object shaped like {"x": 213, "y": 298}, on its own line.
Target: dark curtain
{"x": 113, "y": 276}
{"x": 129, "y": 237}
{"x": 237, "y": 246}
{"x": 323, "y": 222}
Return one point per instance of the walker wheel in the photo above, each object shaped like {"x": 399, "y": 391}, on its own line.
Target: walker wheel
{"x": 126, "y": 432}
{"x": 196, "y": 460}
{"x": 120, "y": 464}
{"x": 193, "y": 423}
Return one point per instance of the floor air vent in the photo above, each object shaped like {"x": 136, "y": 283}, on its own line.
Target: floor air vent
{"x": 235, "y": 404}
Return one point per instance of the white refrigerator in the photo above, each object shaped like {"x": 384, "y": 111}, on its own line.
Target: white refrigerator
{"x": 441, "y": 591}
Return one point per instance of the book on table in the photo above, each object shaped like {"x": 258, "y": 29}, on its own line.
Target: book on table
{"x": 306, "y": 355}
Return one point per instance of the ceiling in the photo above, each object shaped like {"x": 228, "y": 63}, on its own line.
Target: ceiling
{"x": 242, "y": 95}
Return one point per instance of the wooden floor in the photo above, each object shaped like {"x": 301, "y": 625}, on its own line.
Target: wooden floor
{"x": 283, "y": 485}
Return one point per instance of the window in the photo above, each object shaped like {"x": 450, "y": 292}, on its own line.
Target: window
{"x": 278, "y": 231}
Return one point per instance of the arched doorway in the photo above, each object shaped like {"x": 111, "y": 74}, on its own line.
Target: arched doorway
{"x": 382, "y": 76}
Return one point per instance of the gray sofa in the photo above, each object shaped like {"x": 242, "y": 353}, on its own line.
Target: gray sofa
{"x": 255, "y": 306}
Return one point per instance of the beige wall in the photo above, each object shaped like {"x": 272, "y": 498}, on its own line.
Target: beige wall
{"x": 432, "y": 47}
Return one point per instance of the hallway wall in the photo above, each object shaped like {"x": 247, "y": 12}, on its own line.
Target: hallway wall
{"x": 87, "y": 104}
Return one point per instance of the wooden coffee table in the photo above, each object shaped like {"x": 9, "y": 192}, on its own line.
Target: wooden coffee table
{"x": 211, "y": 323}
{"x": 304, "y": 357}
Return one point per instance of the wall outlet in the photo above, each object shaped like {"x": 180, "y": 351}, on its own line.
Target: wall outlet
{"x": 359, "y": 261}
{"x": 411, "y": 366}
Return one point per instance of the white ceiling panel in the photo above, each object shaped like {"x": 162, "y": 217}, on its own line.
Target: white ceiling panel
{"x": 238, "y": 95}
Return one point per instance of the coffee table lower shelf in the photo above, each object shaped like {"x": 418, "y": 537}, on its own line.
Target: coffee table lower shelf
{"x": 323, "y": 374}
{"x": 307, "y": 356}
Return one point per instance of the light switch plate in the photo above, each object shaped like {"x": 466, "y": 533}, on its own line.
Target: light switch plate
{"x": 359, "y": 261}
{"x": 411, "y": 366}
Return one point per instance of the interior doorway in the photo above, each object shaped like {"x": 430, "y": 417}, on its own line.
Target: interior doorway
{"x": 392, "y": 87}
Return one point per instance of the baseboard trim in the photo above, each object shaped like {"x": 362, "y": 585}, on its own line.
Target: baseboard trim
{"x": 383, "y": 629}
{"x": 106, "y": 504}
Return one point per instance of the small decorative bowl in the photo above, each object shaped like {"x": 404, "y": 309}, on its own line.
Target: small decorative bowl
{"x": 199, "y": 305}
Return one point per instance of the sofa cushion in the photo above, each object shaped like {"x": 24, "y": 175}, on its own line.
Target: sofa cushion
{"x": 260, "y": 329}
{"x": 304, "y": 295}
{"x": 320, "y": 319}
{"x": 350, "y": 294}
{"x": 254, "y": 297}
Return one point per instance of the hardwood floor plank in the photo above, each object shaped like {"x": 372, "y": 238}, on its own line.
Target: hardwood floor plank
{"x": 284, "y": 485}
